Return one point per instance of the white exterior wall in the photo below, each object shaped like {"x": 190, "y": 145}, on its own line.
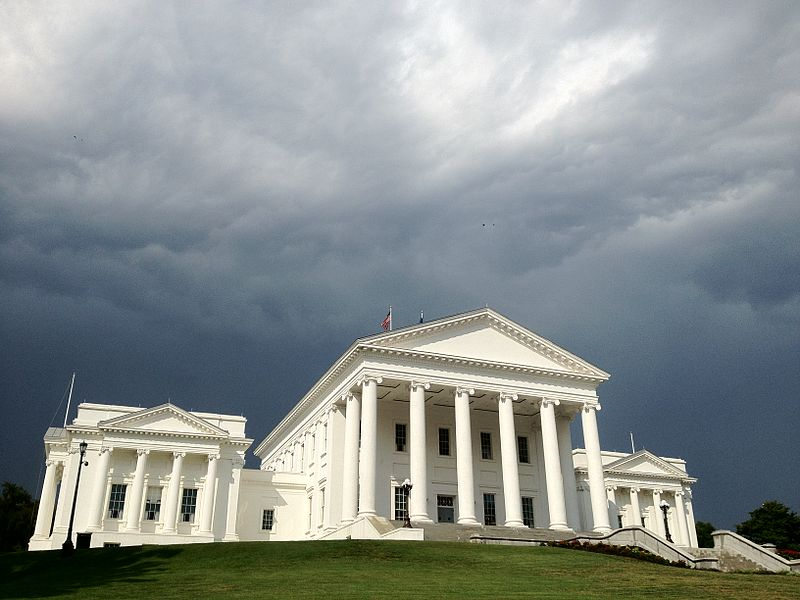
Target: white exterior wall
{"x": 161, "y": 432}
{"x": 302, "y": 471}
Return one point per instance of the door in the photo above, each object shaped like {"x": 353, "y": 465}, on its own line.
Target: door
{"x": 444, "y": 509}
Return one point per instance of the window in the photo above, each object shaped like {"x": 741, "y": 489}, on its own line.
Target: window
{"x": 400, "y": 437}
{"x": 489, "y": 517}
{"x": 444, "y": 441}
{"x": 399, "y": 503}
{"x": 619, "y": 521}
{"x": 445, "y": 512}
{"x": 152, "y": 504}
{"x": 310, "y": 512}
{"x": 486, "y": 445}
{"x": 522, "y": 449}
{"x": 116, "y": 501}
{"x": 324, "y": 437}
{"x": 527, "y": 509}
{"x": 321, "y": 507}
{"x": 267, "y": 519}
{"x": 188, "y": 505}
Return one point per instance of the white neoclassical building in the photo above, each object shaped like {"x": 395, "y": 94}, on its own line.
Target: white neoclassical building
{"x": 474, "y": 410}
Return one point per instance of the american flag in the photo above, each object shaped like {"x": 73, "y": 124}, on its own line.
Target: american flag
{"x": 386, "y": 324}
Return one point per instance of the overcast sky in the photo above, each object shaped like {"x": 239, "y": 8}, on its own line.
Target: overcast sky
{"x": 209, "y": 202}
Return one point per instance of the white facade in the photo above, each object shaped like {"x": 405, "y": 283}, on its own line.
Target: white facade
{"x": 473, "y": 409}
{"x": 154, "y": 476}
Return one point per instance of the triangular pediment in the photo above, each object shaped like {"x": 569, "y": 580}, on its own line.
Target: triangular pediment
{"x": 486, "y": 336}
{"x": 644, "y": 463}
{"x": 161, "y": 420}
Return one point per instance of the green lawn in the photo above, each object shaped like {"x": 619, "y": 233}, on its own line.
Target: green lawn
{"x": 365, "y": 569}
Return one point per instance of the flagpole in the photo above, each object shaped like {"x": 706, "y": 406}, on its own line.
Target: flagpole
{"x": 69, "y": 399}
{"x": 390, "y": 317}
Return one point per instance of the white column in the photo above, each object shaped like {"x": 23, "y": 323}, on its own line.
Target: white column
{"x": 466, "y": 482}
{"x": 45, "y": 515}
{"x": 209, "y": 493}
{"x": 681, "y": 511}
{"x": 591, "y": 439}
{"x": 418, "y": 497}
{"x": 319, "y": 442}
{"x": 133, "y": 513}
{"x": 99, "y": 487}
{"x": 636, "y": 517}
{"x": 552, "y": 465}
{"x": 690, "y": 519}
{"x": 68, "y": 477}
{"x": 173, "y": 493}
{"x": 367, "y": 468}
{"x": 659, "y": 515}
{"x": 231, "y": 534}
{"x": 568, "y": 471}
{"x": 350, "y": 466}
{"x": 508, "y": 457}
{"x": 613, "y": 509}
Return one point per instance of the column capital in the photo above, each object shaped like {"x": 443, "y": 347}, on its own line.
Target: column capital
{"x": 367, "y": 379}
{"x": 611, "y": 488}
{"x": 588, "y": 406}
{"x": 179, "y": 455}
{"x": 345, "y": 398}
{"x": 679, "y": 493}
{"x": 464, "y": 390}
{"x": 213, "y": 457}
{"x": 657, "y": 491}
{"x": 504, "y": 396}
{"x": 545, "y": 401}
{"x": 104, "y": 449}
{"x": 635, "y": 489}
{"x": 50, "y": 463}
{"x": 425, "y": 385}
{"x": 142, "y": 451}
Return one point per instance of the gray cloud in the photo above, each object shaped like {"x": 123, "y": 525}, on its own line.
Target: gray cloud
{"x": 212, "y": 203}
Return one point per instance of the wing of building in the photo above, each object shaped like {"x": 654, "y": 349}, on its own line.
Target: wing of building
{"x": 464, "y": 420}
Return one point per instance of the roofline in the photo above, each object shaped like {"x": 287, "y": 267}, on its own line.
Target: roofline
{"x": 368, "y": 343}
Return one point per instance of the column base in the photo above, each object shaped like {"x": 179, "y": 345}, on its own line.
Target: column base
{"x": 370, "y": 513}
{"x": 604, "y": 530}
{"x": 467, "y": 521}
{"x": 424, "y": 519}
{"x": 559, "y": 527}
{"x": 516, "y": 524}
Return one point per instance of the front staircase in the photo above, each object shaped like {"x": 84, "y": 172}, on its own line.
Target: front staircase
{"x": 731, "y": 552}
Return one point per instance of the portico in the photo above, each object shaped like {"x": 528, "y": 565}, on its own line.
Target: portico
{"x": 452, "y": 405}
{"x": 152, "y": 476}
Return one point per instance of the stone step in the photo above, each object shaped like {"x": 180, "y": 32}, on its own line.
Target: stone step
{"x": 453, "y": 532}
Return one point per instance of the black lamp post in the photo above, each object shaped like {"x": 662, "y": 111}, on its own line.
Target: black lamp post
{"x": 406, "y": 487}
{"x": 67, "y": 547}
{"x": 664, "y": 508}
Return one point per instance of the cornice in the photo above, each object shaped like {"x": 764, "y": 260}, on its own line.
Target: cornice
{"x": 483, "y": 364}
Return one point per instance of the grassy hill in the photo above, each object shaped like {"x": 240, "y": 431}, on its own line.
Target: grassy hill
{"x": 365, "y": 569}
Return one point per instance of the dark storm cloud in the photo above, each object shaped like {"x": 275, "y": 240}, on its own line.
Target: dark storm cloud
{"x": 209, "y": 204}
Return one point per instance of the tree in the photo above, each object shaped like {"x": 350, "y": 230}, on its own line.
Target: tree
{"x": 704, "y": 539}
{"x": 17, "y": 508}
{"x": 772, "y": 523}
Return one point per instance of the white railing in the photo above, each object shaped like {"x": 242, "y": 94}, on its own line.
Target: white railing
{"x": 733, "y": 543}
{"x": 647, "y": 540}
